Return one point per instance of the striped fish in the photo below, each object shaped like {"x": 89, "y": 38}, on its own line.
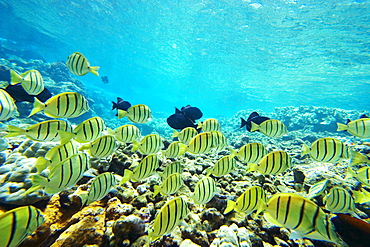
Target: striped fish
{"x": 43, "y": 132}
{"x": 100, "y": 187}
{"x": 136, "y": 114}
{"x": 362, "y": 175}
{"x": 209, "y": 125}
{"x": 150, "y": 144}
{"x": 31, "y": 81}
{"x": 332, "y": 150}
{"x": 62, "y": 176}
{"x": 302, "y": 216}
{"x": 56, "y": 155}
{"x": 273, "y": 163}
{"x": 127, "y": 133}
{"x": 89, "y": 130}
{"x": 201, "y": 143}
{"x": 170, "y": 185}
{"x": 339, "y": 201}
{"x": 271, "y": 128}
{"x": 185, "y": 135}
{"x": 17, "y": 224}
{"x": 175, "y": 149}
{"x": 359, "y": 127}
{"x": 317, "y": 189}
{"x": 249, "y": 201}
{"x": 250, "y": 153}
{"x": 79, "y": 65}
{"x": 204, "y": 190}
{"x": 219, "y": 141}
{"x": 222, "y": 167}
{"x": 64, "y": 105}
{"x": 145, "y": 168}
{"x": 169, "y": 216}
{"x": 101, "y": 147}
{"x": 8, "y": 108}
{"x": 174, "y": 167}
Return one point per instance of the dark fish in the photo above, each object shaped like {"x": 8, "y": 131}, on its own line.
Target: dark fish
{"x": 254, "y": 117}
{"x": 179, "y": 121}
{"x": 104, "y": 79}
{"x": 19, "y": 94}
{"x": 191, "y": 112}
{"x": 121, "y": 105}
{"x": 355, "y": 232}
{"x": 4, "y": 74}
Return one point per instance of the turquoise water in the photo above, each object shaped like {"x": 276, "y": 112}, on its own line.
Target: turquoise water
{"x": 221, "y": 56}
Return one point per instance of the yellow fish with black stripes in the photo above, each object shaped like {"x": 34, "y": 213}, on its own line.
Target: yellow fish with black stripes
{"x": 332, "y": 150}
{"x": 272, "y": 128}
{"x": 56, "y": 155}
{"x": 219, "y": 141}
{"x": 150, "y": 144}
{"x": 169, "y": 216}
{"x": 317, "y": 189}
{"x": 43, "y": 132}
{"x": 174, "y": 167}
{"x": 99, "y": 188}
{"x": 64, "y": 105}
{"x": 127, "y": 133}
{"x": 170, "y": 185}
{"x": 339, "y": 201}
{"x": 251, "y": 200}
{"x": 86, "y": 131}
{"x": 185, "y": 135}
{"x": 222, "y": 167}
{"x": 61, "y": 176}
{"x": 204, "y": 190}
{"x": 201, "y": 143}
{"x": 31, "y": 81}
{"x": 250, "y": 153}
{"x": 136, "y": 114}
{"x": 175, "y": 149}
{"x": 8, "y": 109}
{"x": 209, "y": 125}
{"x": 143, "y": 170}
{"x": 362, "y": 175}
{"x": 273, "y": 163}
{"x": 359, "y": 127}
{"x": 18, "y": 223}
{"x": 302, "y": 216}
{"x": 101, "y": 147}
{"x": 79, "y": 65}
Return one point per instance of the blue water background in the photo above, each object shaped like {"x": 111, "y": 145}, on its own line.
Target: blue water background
{"x": 222, "y": 56}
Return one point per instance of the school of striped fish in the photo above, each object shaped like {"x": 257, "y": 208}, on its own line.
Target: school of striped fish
{"x": 65, "y": 164}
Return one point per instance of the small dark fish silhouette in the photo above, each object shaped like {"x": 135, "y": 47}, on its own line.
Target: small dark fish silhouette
{"x": 180, "y": 121}
{"x": 355, "y": 232}
{"x": 191, "y": 112}
{"x": 121, "y": 105}
{"x": 104, "y": 79}
{"x": 253, "y": 117}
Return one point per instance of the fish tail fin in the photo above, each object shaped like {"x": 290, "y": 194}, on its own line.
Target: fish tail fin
{"x": 37, "y": 183}
{"x": 114, "y": 106}
{"x": 122, "y": 113}
{"x": 362, "y": 196}
{"x": 84, "y": 147}
{"x": 261, "y": 207}
{"x": 37, "y": 106}
{"x": 251, "y": 167}
{"x": 200, "y": 125}
{"x": 342, "y": 127}
{"x": 175, "y": 133}
{"x": 358, "y": 158}
{"x": 350, "y": 173}
{"x": 254, "y": 126}
{"x": 94, "y": 70}
{"x": 183, "y": 148}
{"x": 111, "y": 132}
{"x": 244, "y": 123}
{"x": 230, "y": 206}
{"x": 208, "y": 171}
{"x": 305, "y": 150}
{"x": 233, "y": 153}
{"x": 15, "y": 78}
{"x": 42, "y": 163}
{"x": 14, "y": 131}
{"x": 4, "y": 84}
{"x": 157, "y": 189}
{"x": 126, "y": 176}
{"x": 135, "y": 146}
{"x": 65, "y": 136}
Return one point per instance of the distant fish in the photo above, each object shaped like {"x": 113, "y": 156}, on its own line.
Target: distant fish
{"x": 222, "y": 167}
{"x": 250, "y": 153}
{"x": 180, "y": 121}
{"x": 121, "y": 105}
{"x": 136, "y": 114}
{"x": 31, "y": 81}
{"x": 273, "y": 163}
{"x": 191, "y": 112}
{"x": 339, "y": 201}
{"x": 204, "y": 190}
{"x": 175, "y": 149}
{"x": 169, "y": 186}
{"x": 143, "y": 170}
{"x": 317, "y": 189}
{"x": 359, "y": 127}
{"x": 127, "y": 133}
{"x": 99, "y": 187}
{"x": 253, "y": 117}
{"x": 86, "y": 131}
{"x": 185, "y": 135}
{"x": 272, "y": 128}
{"x": 174, "y": 167}
{"x": 219, "y": 141}
{"x": 150, "y": 144}
{"x": 102, "y": 147}
{"x": 104, "y": 79}
{"x": 208, "y": 125}
{"x": 64, "y": 105}
{"x": 201, "y": 143}
{"x": 251, "y": 200}
{"x": 18, "y": 223}
{"x": 79, "y": 65}
{"x": 8, "y": 109}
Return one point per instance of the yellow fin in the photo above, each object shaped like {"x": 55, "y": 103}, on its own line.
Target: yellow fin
{"x": 94, "y": 70}
{"x": 157, "y": 189}
{"x": 209, "y": 171}
{"x": 305, "y": 150}
{"x": 175, "y": 133}
{"x": 135, "y": 146}
{"x": 65, "y": 136}
{"x": 42, "y": 163}
{"x": 230, "y": 206}
{"x": 183, "y": 148}
{"x": 15, "y": 78}
{"x": 342, "y": 127}
{"x": 254, "y": 126}
{"x": 84, "y": 147}
{"x": 126, "y": 176}
{"x": 358, "y": 158}
{"x": 37, "y": 106}
{"x": 233, "y": 153}
{"x": 200, "y": 125}
{"x": 14, "y": 131}
{"x": 121, "y": 113}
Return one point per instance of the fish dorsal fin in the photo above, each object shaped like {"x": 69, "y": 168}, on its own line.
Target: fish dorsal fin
{"x": 177, "y": 110}
{"x": 253, "y": 115}
{"x": 119, "y": 99}
{"x": 364, "y": 116}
